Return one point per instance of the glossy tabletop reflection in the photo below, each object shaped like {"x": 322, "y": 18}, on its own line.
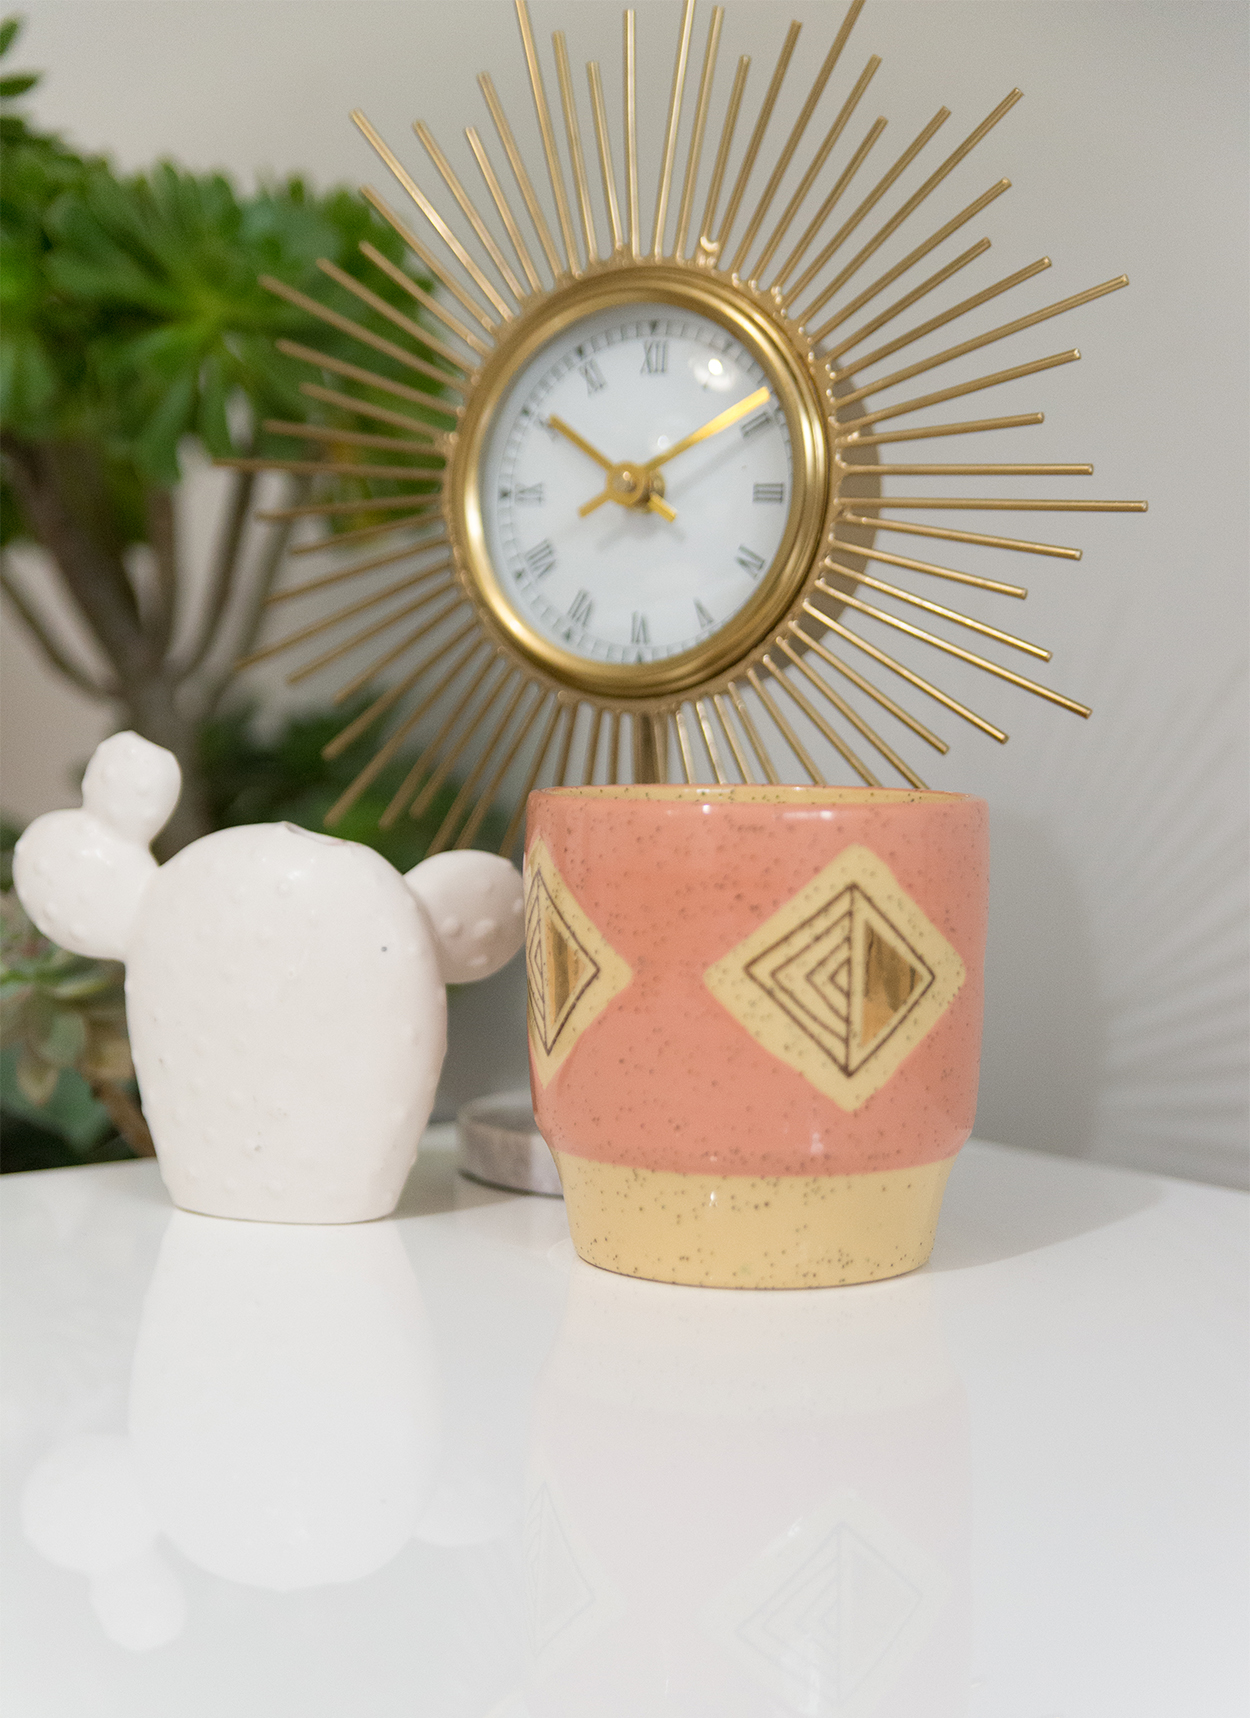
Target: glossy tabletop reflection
{"x": 438, "y": 1466}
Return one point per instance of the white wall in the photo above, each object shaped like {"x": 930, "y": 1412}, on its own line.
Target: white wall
{"x": 1116, "y": 1022}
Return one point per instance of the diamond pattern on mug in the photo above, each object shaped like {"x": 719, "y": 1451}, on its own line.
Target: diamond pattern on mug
{"x": 843, "y": 981}
{"x": 573, "y": 971}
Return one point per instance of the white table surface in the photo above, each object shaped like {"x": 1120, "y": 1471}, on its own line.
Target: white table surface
{"x": 437, "y": 1466}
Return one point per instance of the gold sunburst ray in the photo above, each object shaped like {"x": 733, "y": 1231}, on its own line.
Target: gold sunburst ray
{"x": 505, "y": 714}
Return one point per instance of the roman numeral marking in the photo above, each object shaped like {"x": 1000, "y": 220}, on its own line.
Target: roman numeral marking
{"x": 768, "y": 492}
{"x": 638, "y": 631}
{"x": 544, "y": 423}
{"x": 654, "y": 358}
{"x": 579, "y": 613}
{"x": 749, "y": 561}
{"x": 592, "y": 375}
{"x": 540, "y": 559}
{"x": 705, "y": 618}
{"x": 531, "y": 494}
{"x": 754, "y": 425}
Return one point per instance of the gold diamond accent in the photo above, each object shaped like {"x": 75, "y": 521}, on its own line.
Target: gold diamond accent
{"x": 572, "y": 970}
{"x": 842, "y": 982}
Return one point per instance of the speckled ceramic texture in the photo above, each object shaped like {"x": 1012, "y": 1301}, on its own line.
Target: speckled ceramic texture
{"x": 789, "y": 1018}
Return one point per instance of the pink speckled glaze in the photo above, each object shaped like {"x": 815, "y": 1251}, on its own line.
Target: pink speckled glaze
{"x": 665, "y": 1078}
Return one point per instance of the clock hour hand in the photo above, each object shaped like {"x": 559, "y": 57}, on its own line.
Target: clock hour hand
{"x": 627, "y": 484}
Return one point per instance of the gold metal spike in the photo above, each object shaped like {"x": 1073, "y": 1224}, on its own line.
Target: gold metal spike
{"x": 856, "y": 439}
{"x": 440, "y": 311}
{"x": 683, "y": 746}
{"x": 954, "y": 650}
{"x": 387, "y": 700}
{"x": 506, "y": 215}
{"x": 371, "y": 669}
{"x": 428, "y": 260}
{"x": 821, "y": 726}
{"x": 561, "y": 774}
{"x": 913, "y": 679}
{"x": 323, "y": 467}
{"x": 373, "y": 504}
{"x": 382, "y": 415}
{"x": 486, "y": 794}
{"x": 1002, "y": 332}
{"x": 902, "y": 595}
{"x": 974, "y": 387}
{"x": 855, "y": 305}
{"x": 784, "y": 729}
{"x": 752, "y": 734}
{"x": 382, "y": 757}
{"x": 865, "y": 208}
{"x": 573, "y": 132}
{"x": 919, "y": 331}
{"x": 822, "y": 650}
{"x": 709, "y": 249}
{"x": 889, "y": 560}
{"x": 792, "y": 142}
{"x": 844, "y": 179}
{"x": 559, "y": 711}
{"x": 966, "y": 470}
{"x": 695, "y": 150}
{"x": 468, "y": 788}
{"x": 606, "y": 170}
{"x": 670, "y": 130}
{"x": 1004, "y": 504}
{"x": 905, "y": 303}
{"x": 315, "y": 628}
{"x": 342, "y": 574}
{"x": 345, "y": 438}
{"x": 631, "y": 136}
{"x": 913, "y": 202}
{"x": 709, "y": 740}
{"x": 814, "y": 166}
{"x": 948, "y": 535}
{"x": 368, "y": 378}
{"x": 469, "y": 209}
{"x": 319, "y": 546}
{"x": 412, "y": 329}
{"x": 848, "y": 713}
{"x": 757, "y": 135}
{"x": 444, "y": 768}
{"x": 475, "y": 274}
{"x": 614, "y": 748}
{"x": 520, "y": 173}
{"x": 731, "y": 737}
{"x": 592, "y": 748}
{"x": 554, "y": 171}
{"x": 348, "y": 645}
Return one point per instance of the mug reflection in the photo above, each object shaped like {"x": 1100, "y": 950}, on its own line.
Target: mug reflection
{"x": 748, "y": 1505}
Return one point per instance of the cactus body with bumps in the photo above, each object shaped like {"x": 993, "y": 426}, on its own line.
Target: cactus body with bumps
{"x": 284, "y": 990}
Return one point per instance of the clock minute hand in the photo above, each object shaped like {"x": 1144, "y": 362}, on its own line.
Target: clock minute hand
{"x": 620, "y": 488}
{"x": 578, "y": 441}
{"x": 722, "y": 422}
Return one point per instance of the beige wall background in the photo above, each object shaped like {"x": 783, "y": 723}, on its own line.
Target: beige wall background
{"x": 1116, "y": 1022}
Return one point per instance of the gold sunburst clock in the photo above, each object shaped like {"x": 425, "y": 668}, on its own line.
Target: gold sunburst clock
{"x": 645, "y": 541}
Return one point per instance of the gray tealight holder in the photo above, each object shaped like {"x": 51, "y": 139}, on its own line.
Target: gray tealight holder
{"x": 500, "y": 1144}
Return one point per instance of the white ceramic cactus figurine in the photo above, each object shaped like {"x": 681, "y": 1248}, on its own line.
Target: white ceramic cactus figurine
{"x": 284, "y": 990}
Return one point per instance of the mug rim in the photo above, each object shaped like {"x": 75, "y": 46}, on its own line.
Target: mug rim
{"x": 748, "y": 793}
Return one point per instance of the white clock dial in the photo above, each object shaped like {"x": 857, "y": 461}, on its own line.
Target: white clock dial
{"x": 622, "y": 584}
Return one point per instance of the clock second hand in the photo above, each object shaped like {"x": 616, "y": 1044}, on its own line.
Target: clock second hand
{"x": 724, "y": 420}
{"x": 653, "y": 501}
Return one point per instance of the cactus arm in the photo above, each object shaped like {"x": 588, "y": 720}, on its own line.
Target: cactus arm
{"x": 474, "y": 904}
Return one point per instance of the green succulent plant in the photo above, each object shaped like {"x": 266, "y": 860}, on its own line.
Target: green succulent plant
{"x": 133, "y": 323}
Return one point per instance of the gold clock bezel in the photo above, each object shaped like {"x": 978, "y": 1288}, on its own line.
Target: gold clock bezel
{"x": 685, "y": 287}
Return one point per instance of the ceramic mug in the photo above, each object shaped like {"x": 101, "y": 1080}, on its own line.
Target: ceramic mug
{"x": 755, "y": 1023}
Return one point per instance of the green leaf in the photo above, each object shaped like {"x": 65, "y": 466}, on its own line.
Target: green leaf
{"x": 36, "y": 1080}
{"x": 17, "y": 85}
{"x": 70, "y": 1111}
{"x": 65, "y": 1039}
{"x": 10, "y": 30}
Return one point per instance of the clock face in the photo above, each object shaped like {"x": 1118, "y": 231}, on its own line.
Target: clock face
{"x": 633, "y": 582}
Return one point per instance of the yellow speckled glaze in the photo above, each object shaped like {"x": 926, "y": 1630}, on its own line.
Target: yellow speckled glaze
{"x": 752, "y": 1231}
